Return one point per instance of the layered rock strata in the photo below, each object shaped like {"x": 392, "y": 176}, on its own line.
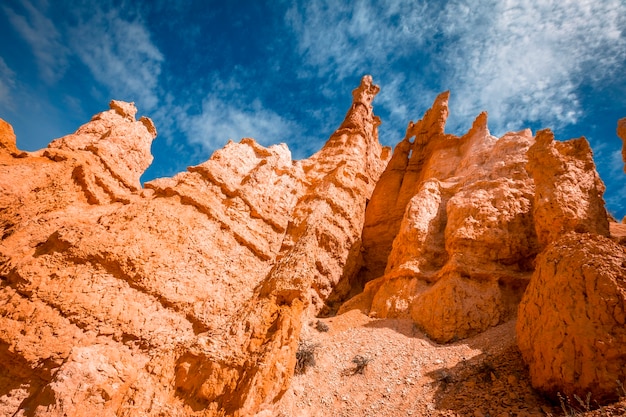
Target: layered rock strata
{"x": 181, "y": 298}
{"x": 319, "y": 251}
{"x": 187, "y": 296}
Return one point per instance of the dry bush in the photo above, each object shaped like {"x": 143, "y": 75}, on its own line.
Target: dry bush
{"x": 320, "y": 326}
{"x": 305, "y": 356}
{"x": 360, "y": 363}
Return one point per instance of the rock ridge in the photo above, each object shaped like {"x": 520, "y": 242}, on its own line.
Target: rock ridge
{"x": 186, "y": 296}
{"x": 190, "y": 295}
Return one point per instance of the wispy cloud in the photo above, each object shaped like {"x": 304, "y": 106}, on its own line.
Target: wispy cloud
{"x": 525, "y": 60}
{"x": 617, "y": 165}
{"x": 522, "y": 61}
{"x": 44, "y": 39}
{"x": 121, "y": 55}
{"x": 117, "y": 50}
{"x": 7, "y": 83}
{"x": 220, "y": 121}
{"x": 226, "y": 110}
{"x": 341, "y": 39}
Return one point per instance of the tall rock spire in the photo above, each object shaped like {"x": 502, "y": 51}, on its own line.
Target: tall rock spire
{"x": 361, "y": 113}
{"x": 319, "y": 254}
{"x": 398, "y": 184}
{"x": 447, "y": 235}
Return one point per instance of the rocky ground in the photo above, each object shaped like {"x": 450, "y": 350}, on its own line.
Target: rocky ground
{"x": 409, "y": 375}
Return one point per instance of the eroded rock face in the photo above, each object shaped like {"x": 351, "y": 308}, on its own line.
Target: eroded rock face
{"x": 185, "y": 297}
{"x": 455, "y": 223}
{"x": 320, "y": 245}
{"x": 568, "y": 190}
{"x": 571, "y": 328}
{"x": 121, "y": 144}
{"x": 7, "y": 139}
{"x": 448, "y": 235}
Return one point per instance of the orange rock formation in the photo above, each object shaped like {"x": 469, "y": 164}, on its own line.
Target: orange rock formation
{"x": 449, "y": 237}
{"x": 621, "y": 132}
{"x": 571, "y": 328}
{"x": 187, "y": 296}
{"x": 7, "y": 139}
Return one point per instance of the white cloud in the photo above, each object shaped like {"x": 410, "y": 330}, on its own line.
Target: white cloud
{"x": 118, "y": 51}
{"x": 524, "y": 60}
{"x": 221, "y": 120}
{"x": 44, "y": 39}
{"x": 521, "y": 60}
{"x": 7, "y": 84}
{"x": 120, "y": 55}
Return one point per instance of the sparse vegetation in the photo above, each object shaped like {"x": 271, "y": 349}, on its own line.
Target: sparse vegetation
{"x": 305, "y": 356}
{"x": 320, "y": 326}
{"x": 487, "y": 371}
{"x": 582, "y": 407}
{"x": 360, "y": 363}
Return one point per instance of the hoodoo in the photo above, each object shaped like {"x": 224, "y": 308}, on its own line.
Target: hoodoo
{"x": 449, "y": 237}
{"x": 186, "y": 296}
{"x": 191, "y": 295}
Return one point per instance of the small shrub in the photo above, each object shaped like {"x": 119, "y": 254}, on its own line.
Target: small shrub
{"x": 445, "y": 377}
{"x": 320, "y": 326}
{"x": 305, "y": 356}
{"x": 360, "y": 363}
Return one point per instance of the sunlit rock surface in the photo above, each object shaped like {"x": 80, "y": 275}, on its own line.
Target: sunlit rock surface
{"x": 189, "y": 295}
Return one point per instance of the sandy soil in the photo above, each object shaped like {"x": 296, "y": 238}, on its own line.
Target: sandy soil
{"x": 409, "y": 375}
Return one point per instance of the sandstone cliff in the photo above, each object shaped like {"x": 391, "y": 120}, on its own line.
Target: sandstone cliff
{"x": 189, "y": 295}
{"x": 183, "y": 297}
{"x": 449, "y": 236}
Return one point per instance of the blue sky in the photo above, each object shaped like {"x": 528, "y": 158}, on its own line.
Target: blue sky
{"x": 281, "y": 71}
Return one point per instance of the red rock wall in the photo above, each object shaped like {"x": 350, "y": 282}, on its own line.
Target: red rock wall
{"x": 449, "y": 236}
{"x": 185, "y": 297}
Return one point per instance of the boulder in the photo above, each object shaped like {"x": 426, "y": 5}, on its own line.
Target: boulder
{"x": 571, "y": 326}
